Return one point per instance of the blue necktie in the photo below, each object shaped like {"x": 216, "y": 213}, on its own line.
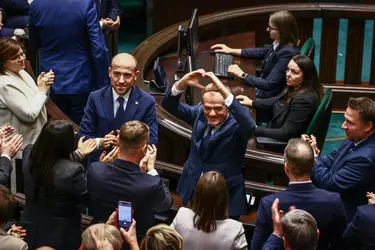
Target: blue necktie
{"x": 205, "y": 141}
{"x": 120, "y": 114}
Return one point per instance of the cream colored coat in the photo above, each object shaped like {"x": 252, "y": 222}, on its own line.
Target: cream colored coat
{"x": 22, "y": 105}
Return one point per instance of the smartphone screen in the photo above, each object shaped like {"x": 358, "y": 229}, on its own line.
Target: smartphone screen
{"x": 124, "y": 214}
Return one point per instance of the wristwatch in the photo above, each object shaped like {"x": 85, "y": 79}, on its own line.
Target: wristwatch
{"x": 243, "y": 76}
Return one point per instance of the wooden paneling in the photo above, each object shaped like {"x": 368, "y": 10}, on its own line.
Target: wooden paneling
{"x": 305, "y": 29}
{"x": 354, "y": 51}
{"x": 328, "y": 50}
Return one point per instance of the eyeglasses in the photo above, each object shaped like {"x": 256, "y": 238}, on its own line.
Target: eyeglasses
{"x": 18, "y": 57}
{"x": 271, "y": 28}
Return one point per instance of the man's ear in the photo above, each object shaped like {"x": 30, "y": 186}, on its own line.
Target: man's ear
{"x": 369, "y": 126}
{"x": 109, "y": 71}
{"x": 286, "y": 168}
{"x": 137, "y": 73}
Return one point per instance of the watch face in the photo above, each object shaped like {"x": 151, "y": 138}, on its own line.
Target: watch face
{"x": 243, "y": 75}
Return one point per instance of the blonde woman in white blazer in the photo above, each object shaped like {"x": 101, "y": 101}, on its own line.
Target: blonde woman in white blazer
{"x": 22, "y": 102}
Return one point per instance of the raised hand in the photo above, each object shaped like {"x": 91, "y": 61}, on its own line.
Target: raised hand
{"x": 235, "y": 70}
{"x": 86, "y": 147}
{"x": 130, "y": 236}
{"x": 218, "y": 85}
{"x": 10, "y": 146}
{"x": 370, "y": 197}
{"x": 6, "y": 131}
{"x": 100, "y": 244}
{"x": 109, "y": 158}
{"x": 221, "y": 48}
{"x": 312, "y": 141}
{"x": 191, "y": 79}
{"x": 45, "y": 80}
{"x": 113, "y": 219}
{"x": 244, "y": 100}
{"x": 108, "y": 140}
{"x": 277, "y": 215}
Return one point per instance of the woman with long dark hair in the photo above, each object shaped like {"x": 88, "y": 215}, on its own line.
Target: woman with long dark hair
{"x": 206, "y": 225}
{"x": 292, "y": 110}
{"x": 55, "y": 184}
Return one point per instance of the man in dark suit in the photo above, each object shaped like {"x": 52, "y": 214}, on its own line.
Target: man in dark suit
{"x": 72, "y": 45}
{"x": 350, "y": 170}
{"x": 296, "y": 230}
{"x": 8, "y": 149}
{"x": 110, "y": 107}
{"x": 131, "y": 178}
{"x": 360, "y": 232}
{"x": 221, "y": 128}
{"x": 324, "y": 206}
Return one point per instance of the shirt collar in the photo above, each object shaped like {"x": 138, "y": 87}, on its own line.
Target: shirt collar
{"x": 358, "y": 142}
{"x": 275, "y": 44}
{"x": 125, "y": 96}
{"x": 299, "y": 182}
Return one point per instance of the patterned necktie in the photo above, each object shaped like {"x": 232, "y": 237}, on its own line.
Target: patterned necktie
{"x": 120, "y": 114}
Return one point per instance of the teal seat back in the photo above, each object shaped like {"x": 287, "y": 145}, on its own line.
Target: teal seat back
{"x": 320, "y": 122}
{"x": 308, "y": 48}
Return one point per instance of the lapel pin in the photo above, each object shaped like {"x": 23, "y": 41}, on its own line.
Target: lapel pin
{"x": 136, "y": 102}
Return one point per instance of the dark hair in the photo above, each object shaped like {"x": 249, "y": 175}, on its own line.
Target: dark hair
{"x": 287, "y": 25}
{"x": 365, "y": 108}
{"x": 210, "y": 201}
{"x": 56, "y": 141}
{"x": 7, "y": 204}
{"x": 8, "y": 48}
{"x": 300, "y": 230}
{"x": 300, "y": 157}
{"x": 311, "y": 82}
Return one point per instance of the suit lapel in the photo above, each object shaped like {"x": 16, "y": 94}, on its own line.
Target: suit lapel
{"x": 107, "y": 104}
{"x": 132, "y": 105}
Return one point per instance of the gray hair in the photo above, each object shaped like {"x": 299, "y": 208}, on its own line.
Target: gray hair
{"x": 300, "y": 230}
{"x": 299, "y": 156}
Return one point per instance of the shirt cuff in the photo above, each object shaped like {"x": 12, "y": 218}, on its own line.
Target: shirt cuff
{"x": 228, "y": 101}
{"x": 97, "y": 143}
{"x": 6, "y": 156}
{"x": 153, "y": 172}
{"x": 101, "y": 24}
{"x": 175, "y": 91}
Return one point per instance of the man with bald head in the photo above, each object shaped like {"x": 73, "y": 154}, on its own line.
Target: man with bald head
{"x": 221, "y": 128}
{"x": 110, "y": 107}
{"x": 326, "y": 207}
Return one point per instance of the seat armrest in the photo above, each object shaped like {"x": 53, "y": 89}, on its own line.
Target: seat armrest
{"x": 270, "y": 144}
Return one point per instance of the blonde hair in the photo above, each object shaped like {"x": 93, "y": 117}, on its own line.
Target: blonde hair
{"x": 161, "y": 237}
{"x": 102, "y": 232}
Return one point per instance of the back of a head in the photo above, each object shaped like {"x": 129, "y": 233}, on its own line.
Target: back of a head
{"x": 7, "y": 205}
{"x": 210, "y": 201}
{"x": 103, "y": 232}
{"x": 365, "y": 108}
{"x": 299, "y": 156}
{"x": 287, "y": 25}
{"x": 161, "y": 237}
{"x": 55, "y": 142}
{"x": 300, "y": 230}
{"x": 133, "y": 136}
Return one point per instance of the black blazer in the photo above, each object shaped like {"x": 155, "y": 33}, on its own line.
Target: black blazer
{"x": 5, "y": 171}
{"x": 272, "y": 80}
{"x": 289, "y": 120}
{"x": 360, "y": 234}
{"x": 123, "y": 180}
{"x": 326, "y": 207}
{"x": 54, "y": 221}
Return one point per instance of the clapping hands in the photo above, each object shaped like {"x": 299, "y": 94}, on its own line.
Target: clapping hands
{"x": 148, "y": 161}
{"x": 370, "y": 197}
{"x": 10, "y": 145}
{"x": 86, "y": 147}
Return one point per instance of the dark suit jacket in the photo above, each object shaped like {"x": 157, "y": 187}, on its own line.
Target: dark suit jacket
{"x": 273, "y": 243}
{"x": 5, "y": 171}
{"x": 289, "y": 120}
{"x": 360, "y": 233}
{"x": 124, "y": 181}
{"x": 273, "y": 78}
{"x": 225, "y": 152}
{"x": 351, "y": 174}
{"x": 54, "y": 221}
{"x": 72, "y": 44}
{"x": 109, "y": 9}
{"x": 98, "y": 119}
{"x": 324, "y": 206}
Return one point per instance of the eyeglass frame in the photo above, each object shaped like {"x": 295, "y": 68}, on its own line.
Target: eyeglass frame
{"x": 18, "y": 57}
{"x": 271, "y": 28}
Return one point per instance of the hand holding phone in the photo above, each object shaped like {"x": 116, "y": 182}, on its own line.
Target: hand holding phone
{"x": 124, "y": 214}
